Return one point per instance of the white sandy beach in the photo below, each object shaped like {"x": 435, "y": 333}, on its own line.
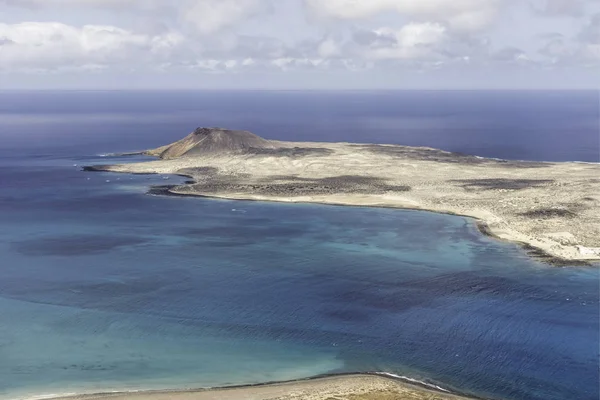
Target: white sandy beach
{"x": 349, "y": 387}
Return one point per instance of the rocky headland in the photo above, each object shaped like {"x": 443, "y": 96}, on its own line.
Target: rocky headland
{"x": 553, "y": 209}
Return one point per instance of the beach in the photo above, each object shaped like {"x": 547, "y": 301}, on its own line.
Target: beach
{"x": 346, "y": 387}
{"x": 551, "y": 208}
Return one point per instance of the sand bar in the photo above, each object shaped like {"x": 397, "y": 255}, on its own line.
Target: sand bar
{"x": 344, "y": 387}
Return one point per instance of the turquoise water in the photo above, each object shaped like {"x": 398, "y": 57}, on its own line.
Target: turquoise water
{"x": 103, "y": 287}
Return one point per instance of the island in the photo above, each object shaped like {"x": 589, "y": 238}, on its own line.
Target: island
{"x": 551, "y": 208}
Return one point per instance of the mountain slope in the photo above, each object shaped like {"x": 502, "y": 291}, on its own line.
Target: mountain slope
{"x": 207, "y": 141}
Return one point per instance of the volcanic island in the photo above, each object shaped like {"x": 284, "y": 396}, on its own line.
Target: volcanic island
{"x": 550, "y": 208}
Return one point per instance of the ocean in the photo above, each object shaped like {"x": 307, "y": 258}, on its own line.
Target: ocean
{"x": 104, "y": 287}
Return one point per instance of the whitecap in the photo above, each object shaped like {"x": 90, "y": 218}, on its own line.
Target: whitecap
{"x": 406, "y": 378}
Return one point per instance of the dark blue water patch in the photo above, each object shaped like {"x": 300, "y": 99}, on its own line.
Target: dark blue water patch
{"x": 75, "y": 245}
{"x": 530, "y": 125}
{"x": 66, "y": 188}
{"x": 246, "y": 231}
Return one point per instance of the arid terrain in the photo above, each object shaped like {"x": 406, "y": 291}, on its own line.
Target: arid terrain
{"x": 551, "y": 208}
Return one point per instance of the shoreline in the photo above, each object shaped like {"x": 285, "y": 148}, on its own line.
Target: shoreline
{"x": 538, "y": 253}
{"x": 350, "y": 384}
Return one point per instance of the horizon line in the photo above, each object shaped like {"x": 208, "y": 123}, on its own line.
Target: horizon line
{"x": 301, "y": 90}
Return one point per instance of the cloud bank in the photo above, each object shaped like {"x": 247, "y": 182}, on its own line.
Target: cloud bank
{"x": 264, "y": 36}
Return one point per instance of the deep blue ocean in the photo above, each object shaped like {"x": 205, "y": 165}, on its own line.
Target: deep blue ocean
{"x": 104, "y": 287}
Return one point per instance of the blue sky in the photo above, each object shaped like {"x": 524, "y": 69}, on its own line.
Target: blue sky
{"x": 299, "y": 44}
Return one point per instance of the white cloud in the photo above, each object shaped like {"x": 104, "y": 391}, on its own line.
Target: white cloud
{"x": 511, "y": 55}
{"x": 573, "y": 8}
{"x": 203, "y": 16}
{"x": 581, "y": 50}
{"x": 415, "y": 45}
{"x": 591, "y": 31}
{"x": 232, "y": 36}
{"x": 51, "y": 45}
{"x": 37, "y": 46}
{"x": 209, "y": 16}
{"x": 413, "y": 41}
{"x": 105, "y": 4}
{"x": 589, "y": 38}
{"x": 413, "y": 35}
{"x": 290, "y": 63}
{"x": 329, "y": 48}
{"x": 459, "y": 14}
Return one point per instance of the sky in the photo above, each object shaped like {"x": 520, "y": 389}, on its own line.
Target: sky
{"x": 299, "y": 44}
